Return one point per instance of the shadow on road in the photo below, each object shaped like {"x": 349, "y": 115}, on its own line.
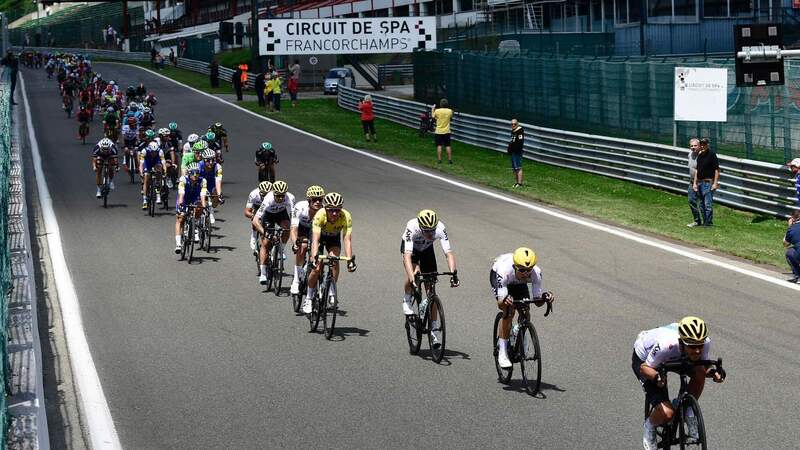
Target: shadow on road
{"x": 342, "y": 333}
{"x": 517, "y": 385}
{"x": 448, "y": 355}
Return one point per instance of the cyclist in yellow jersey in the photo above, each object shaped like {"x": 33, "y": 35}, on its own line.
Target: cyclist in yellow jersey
{"x": 330, "y": 226}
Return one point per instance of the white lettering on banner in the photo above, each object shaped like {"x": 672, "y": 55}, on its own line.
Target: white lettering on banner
{"x": 331, "y": 36}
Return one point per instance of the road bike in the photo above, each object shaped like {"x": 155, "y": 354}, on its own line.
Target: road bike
{"x": 204, "y": 229}
{"x": 131, "y": 161}
{"x": 105, "y": 187}
{"x": 189, "y": 226}
{"x": 83, "y": 131}
{"x": 679, "y": 432}
{"x": 426, "y": 311}
{"x": 153, "y": 190}
{"x": 297, "y": 299}
{"x": 523, "y": 346}
{"x": 275, "y": 263}
{"x": 68, "y": 104}
{"x": 326, "y": 304}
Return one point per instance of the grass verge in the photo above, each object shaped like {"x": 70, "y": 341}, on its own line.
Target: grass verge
{"x": 747, "y": 235}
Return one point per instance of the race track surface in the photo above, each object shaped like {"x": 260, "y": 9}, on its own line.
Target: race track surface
{"x": 198, "y": 356}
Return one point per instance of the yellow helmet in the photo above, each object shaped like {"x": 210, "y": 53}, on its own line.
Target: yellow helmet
{"x": 264, "y": 187}
{"x": 315, "y": 191}
{"x": 280, "y": 187}
{"x": 692, "y": 330}
{"x": 333, "y": 200}
{"x": 524, "y": 257}
{"x": 427, "y": 219}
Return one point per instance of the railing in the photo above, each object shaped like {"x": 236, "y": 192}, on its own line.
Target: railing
{"x": 744, "y": 184}
{"x": 5, "y": 249}
{"x": 386, "y": 71}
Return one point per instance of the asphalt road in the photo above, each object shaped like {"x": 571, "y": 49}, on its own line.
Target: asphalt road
{"x": 197, "y": 356}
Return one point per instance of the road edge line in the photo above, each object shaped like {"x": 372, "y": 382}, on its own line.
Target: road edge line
{"x": 102, "y": 433}
{"x": 625, "y": 234}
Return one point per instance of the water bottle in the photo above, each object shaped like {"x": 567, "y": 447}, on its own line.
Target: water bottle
{"x": 423, "y": 306}
{"x": 514, "y": 332}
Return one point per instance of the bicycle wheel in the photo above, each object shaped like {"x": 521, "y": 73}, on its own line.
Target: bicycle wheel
{"x": 530, "y": 359}
{"x": 207, "y": 235}
{"x": 131, "y": 167}
{"x": 297, "y": 299}
{"x": 186, "y": 237}
{"x": 191, "y": 239}
{"x": 201, "y": 231}
{"x": 258, "y": 255}
{"x": 329, "y": 319}
{"x": 503, "y": 375}
{"x": 692, "y": 439}
{"x": 277, "y": 264}
{"x": 316, "y": 311}
{"x": 270, "y": 270}
{"x": 436, "y": 335}
{"x": 414, "y": 328}
{"x": 151, "y": 197}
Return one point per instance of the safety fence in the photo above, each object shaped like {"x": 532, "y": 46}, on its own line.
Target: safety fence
{"x": 5, "y": 249}
{"x": 744, "y": 184}
{"x": 395, "y": 73}
{"x": 625, "y": 97}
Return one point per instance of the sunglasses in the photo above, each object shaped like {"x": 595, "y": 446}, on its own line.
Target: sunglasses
{"x": 279, "y": 196}
{"x": 333, "y": 210}
{"x": 523, "y": 269}
{"x": 315, "y": 199}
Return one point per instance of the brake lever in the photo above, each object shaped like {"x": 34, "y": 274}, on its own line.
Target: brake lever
{"x": 549, "y": 309}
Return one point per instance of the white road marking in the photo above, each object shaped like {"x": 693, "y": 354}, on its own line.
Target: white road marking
{"x": 102, "y": 434}
{"x": 625, "y": 234}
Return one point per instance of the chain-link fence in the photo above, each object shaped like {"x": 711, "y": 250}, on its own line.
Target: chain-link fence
{"x": 625, "y": 97}
{"x": 5, "y": 255}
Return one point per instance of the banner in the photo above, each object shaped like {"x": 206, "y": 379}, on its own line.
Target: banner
{"x": 346, "y": 36}
{"x": 701, "y": 94}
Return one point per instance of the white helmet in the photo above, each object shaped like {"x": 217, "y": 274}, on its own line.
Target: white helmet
{"x": 105, "y": 143}
{"x": 153, "y": 146}
{"x": 192, "y": 138}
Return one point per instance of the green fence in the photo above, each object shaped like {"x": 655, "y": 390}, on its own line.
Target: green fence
{"x": 5, "y": 255}
{"x": 624, "y": 97}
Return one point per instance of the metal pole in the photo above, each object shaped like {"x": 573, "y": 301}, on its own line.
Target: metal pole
{"x": 254, "y": 53}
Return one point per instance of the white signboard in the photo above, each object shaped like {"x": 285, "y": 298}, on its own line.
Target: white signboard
{"x": 701, "y": 94}
{"x": 346, "y": 36}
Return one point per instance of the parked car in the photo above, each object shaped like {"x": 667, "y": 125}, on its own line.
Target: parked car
{"x": 338, "y": 76}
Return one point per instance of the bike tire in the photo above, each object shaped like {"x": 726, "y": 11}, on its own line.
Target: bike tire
{"x": 316, "y": 312}
{"x": 530, "y": 358}
{"x": 685, "y": 441}
{"x": 329, "y": 317}
{"x": 503, "y": 375}
{"x": 278, "y": 268}
{"x": 191, "y": 241}
{"x": 201, "y": 231}
{"x": 437, "y": 353}
{"x": 270, "y": 272}
{"x": 208, "y": 236}
{"x": 414, "y": 328}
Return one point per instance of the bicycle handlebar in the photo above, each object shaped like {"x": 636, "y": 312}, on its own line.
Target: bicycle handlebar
{"x": 527, "y": 301}
{"x": 684, "y": 364}
{"x": 335, "y": 258}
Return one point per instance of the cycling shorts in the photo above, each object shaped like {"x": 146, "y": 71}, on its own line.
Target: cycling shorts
{"x": 272, "y": 218}
{"x": 652, "y": 393}
{"x": 303, "y": 231}
{"x": 425, "y": 259}
{"x": 151, "y": 165}
{"x": 328, "y": 241}
{"x": 515, "y": 291}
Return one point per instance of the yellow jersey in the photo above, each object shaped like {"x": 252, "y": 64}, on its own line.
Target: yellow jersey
{"x": 442, "y": 116}
{"x": 320, "y": 223}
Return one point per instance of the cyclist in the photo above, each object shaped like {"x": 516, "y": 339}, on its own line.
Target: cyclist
{"x": 302, "y": 214}
{"x": 105, "y": 150}
{"x": 196, "y": 155}
{"x": 151, "y": 101}
{"x": 190, "y": 141}
{"x": 327, "y": 228}
{"x": 151, "y": 160}
{"x": 141, "y": 91}
{"x": 416, "y": 245}
{"x": 266, "y": 159}
{"x": 221, "y": 134}
{"x": 83, "y": 116}
{"x": 688, "y": 338}
{"x": 275, "y": 209}
{"x": 111, "y": 122}
{"x": 254, "y": 201}
{"x": 148, "y": 117}
{"x": 191, "y": 190}
{"x": 509, "y": 277}
{"x": 130, "y": 94}
{"x": 175, "y": 136}
{"x": 212, "y": 172}
{"x": 211, "y": 140}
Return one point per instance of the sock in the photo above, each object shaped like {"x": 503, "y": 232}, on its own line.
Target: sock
{"x": 311, "y": 292}
{"x": 178, "y": 240}
{"x": 407, "y": 298}
{"x": 649, "y": 424}
{"x": 332, "y": 291}
{"x": 502, "y": 343}
{"x": 296, "y": 273}
{"x": 263, "y": 269}
{"x": 144, "y": 198}
{"x": 434, "y": 324}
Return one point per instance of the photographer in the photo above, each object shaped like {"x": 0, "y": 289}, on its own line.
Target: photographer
{"x": 792, "y": 243}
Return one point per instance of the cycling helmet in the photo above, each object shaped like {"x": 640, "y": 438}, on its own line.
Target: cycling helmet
{"x": 333, "y": 200}
{"x": 110, "y": 109}
{"x": 131, "y": 88}
{"x": 210, "y": 136}
{"x": 217, "y": 125}
{"x": 193, "y": 169}
{"x": 427, "y": 219}
{"x": 133, "y": 107}
{"x": 315, "y": 191}
{"x": 164, "y": 131}
{"x": 199, "y": 146}
{"x": 105, "y": 143}
{"x": 173, "y": 126}
{"x": 264, "y": 187}
{"x": 209, "y": 154}
{"x": 150, "y": 134}
{"x": 111, "y": 83}
{"x": 153, "y": 147}
{"x": 280, "y": 187}
{"x": 692, "y": 331}
{"x": 524, "y": 258}
{"x": 266, "y": 146}
{"x": 192, "y": 138}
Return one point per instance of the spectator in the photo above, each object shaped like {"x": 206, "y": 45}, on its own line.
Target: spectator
{"x": 213, "y": 72}
{"x": 706, "y": 181}
{"x": 236, "y": 80}
{"x": 794, "y": 166}
{"x": 515, "y": 147}
{"x": 443, "y": 114}
{"x": 276, "y": 90}
{"x": 27, "y": 39}
{"x": 295, "y": 70}
{"x": 694, "y": 146}
{"x": 293, "y": 86}
{"x": 268, "y": 90}
{"x": 259, "y": 85}
{"x": 367, "y": 118}
{"x": 153, "y": 54}
{"x": 182, "y": 48}
{"x": 12, "y": 63}
{"x": 109, "y": 36}
{"x": 172, "y": 58}
{"x": 159, "y": 61}
{"x": 792, "y": 243}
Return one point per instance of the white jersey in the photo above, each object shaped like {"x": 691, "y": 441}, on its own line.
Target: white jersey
{"x": 505, "y": 275}
{"x": 414, "y": 238}
{"x": 254, "y": 199}
{"x": 187, "y": 147}
{"x": 660, "y": 345}
{"x": 269, "y": 205}
{"x": 301, "y": 215}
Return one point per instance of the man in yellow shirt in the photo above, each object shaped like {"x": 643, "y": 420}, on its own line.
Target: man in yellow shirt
{"x": 443, "y": 114}
{"x": 268, "y": 91}
{"x": 276, "y": 90}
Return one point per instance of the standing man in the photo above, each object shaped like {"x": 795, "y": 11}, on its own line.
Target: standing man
{"x": 294, "y": 81}
{"x": 515, "y": 150}
{"x": 694, "y": 151}
{"x": 12, "y": 62}
{"x": 792, "y": 243}
{"x": 794, "y": 166}
{"x": 276, "y": 90}
{"x": 443, "y": 114}
{"x": 213, "y": 73}
{"x": 236, "y": 79}
{"x": 258, "y": 85}
{"x": 706, "y": 181}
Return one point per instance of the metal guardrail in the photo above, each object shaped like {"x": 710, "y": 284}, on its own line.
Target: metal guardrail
{"x": 744, "y": 184}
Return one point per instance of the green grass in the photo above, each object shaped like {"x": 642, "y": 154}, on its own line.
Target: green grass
{"x": 235, "y": 57}
{"x": 751, "y": 236}
{"x": 193, "y": 79}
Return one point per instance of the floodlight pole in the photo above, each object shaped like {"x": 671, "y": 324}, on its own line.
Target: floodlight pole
{"x": 254, "y": 56}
